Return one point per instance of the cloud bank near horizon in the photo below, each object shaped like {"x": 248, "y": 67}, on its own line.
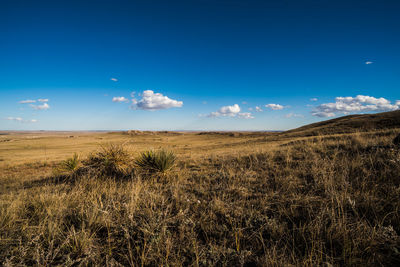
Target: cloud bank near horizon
{"x": 19, "y": 119}
{"x": 360, "y": 103}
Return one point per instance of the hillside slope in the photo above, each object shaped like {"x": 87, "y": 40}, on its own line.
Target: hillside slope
{"x": 349, "y": 124}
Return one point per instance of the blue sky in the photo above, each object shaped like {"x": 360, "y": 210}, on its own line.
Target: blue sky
{"x": 195, "y": 65}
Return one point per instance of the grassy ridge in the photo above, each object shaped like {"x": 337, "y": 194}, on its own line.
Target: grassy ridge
{"x": 349, "y": 124}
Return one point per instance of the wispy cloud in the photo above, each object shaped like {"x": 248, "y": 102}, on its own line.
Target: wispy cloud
{"x": 258, "y": 109}
{"x": 155, "y": 101}
{"x": 14, "y": 119}
{"x": 230, "y": 111}
{"x": 313, "y": 99}
{"x": 19, "y": 119}
{"x": 294, "y": 115}
{"x": 274, "y": 106}
{"x": 245, "y": 115}
{"x": 27, "y": 101}
{"x": 120, "y": 99}
{"x": 44, "y": 106}
{"x": 360, "y": 103}
{"x": 114, "y": 79}
{"x": 368, "y": 62}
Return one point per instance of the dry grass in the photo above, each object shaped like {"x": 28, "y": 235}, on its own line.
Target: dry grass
{"x": 231, "y": 201}
{"x": 111, "y": 160}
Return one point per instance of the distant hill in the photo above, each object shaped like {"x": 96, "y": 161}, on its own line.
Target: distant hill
{"x": 349, "y": 124}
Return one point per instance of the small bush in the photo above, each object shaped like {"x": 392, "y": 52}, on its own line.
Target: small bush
{"x": 156, "y": 161}
{"x": 110, "y": 160}
{"x": 70, "y": 165}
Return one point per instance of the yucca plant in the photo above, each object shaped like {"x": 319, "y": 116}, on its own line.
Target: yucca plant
{"x": 156, "y": 161}
{"x": 110, "y": 160}
{"x": 70, "y": 165}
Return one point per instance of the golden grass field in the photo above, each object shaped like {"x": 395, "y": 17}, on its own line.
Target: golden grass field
{"x": 232, "y": 199}
{"x": 26, "y": 147}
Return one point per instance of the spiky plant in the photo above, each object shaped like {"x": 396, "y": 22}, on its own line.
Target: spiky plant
{"x": 71, "y": 164}
{"x": 110, "y": 160}
{"x": 156, "y": 160}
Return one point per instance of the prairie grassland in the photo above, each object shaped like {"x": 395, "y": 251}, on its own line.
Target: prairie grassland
{"x": 231, "y": 200}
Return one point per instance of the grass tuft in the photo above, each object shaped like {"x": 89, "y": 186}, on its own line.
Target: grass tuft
{"x": 111, "y": 160}
{"x": 70, "y": 165}
{"x": 156, "y": 161}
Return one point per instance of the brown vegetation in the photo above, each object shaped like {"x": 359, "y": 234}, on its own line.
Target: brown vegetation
{"x": 325, "y": 200}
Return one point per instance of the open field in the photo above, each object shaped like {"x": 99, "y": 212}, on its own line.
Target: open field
{"x": 200, "y": 133}
{"x": 232, "y": 199}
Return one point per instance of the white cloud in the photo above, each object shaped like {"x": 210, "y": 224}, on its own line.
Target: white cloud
{"x": 245, "y": 115}
{"x": 114, "y": 79}
{"x": 274, "y": 106}
{"x": 44, "y": 106}
{"x": 14, "y": 119}
{"x": 369, "y": 62}
{"x": 27, "y": 101}
{"x": 294, "y": 115}
{"x": 226, "y": 111}
{"x": 314, "y": 99}
{"x": 230, "y": 111}
{"x": 19, "y": 119}
{"x": 360, "y": 103}
{"x": 258, "y": 109}
{"x": 120, "y": 99}
{"x": 155, "y": 101}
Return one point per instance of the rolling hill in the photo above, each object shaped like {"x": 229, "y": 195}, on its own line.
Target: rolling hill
{"x": 349, "y": 124}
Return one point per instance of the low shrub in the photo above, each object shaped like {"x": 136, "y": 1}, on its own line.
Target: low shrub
{"x": 110, "y": 160}
{"x": 156, "y": 161}
{"x": 70, "y": 165}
